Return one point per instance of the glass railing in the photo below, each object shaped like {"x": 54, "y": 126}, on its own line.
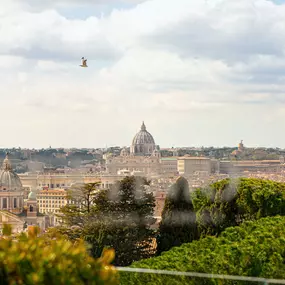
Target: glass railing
{"x": 137, "y": 276}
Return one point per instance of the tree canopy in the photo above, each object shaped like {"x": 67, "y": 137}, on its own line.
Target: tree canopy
{"x": 231, "y": 201}
{"x": 81, "y": 201}
{"x": 120, "y": 217}
{"x": 256, "y": 248}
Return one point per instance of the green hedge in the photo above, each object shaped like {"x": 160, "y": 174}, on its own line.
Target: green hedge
{"x": 252, "y": 249}
{"x": 32, "y": 260}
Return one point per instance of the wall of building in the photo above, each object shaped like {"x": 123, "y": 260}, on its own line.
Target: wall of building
{"x": 238, "y": 167}
{"x": 147, "y": 165}
{"x": 190, "y": 165}
{"x": 168, "y": 165}
{"x": 32, "y": 180}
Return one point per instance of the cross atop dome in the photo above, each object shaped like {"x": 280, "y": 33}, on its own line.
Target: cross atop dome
{"x": 143, "y": 128}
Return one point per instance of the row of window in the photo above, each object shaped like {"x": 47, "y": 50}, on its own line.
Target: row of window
{"x": 52, "y": 202}
{"x": 52, "y": 185}
{"x": 5, "y": 203}
{"x": 42, "y": 209}
{"x": 46, "y": 209}
{"x": 47, "y": 197}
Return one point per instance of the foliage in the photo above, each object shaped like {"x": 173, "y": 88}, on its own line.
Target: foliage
{"x": 256, "y": 248}
{"x": 32, "y": 260}
{"x": 178, "y": 224}
{"x": 119, "y": 218}
{"x": 81, "y": 198}
{"x": 230, "y": 202}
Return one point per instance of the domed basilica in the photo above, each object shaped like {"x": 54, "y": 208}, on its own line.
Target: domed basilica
{"x": 143, "y": 143}
{"x": 143, "y": 157}
{"x": 12, "y": 209}
{"x": 11, "y": 189}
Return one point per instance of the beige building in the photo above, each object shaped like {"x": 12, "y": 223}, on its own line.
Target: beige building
{"x": 241, "y": 166}
{"x": 188, "y": 165}
{"x": 12, "y": 206}
{"x": 146, "y": 165}
{"x": 55, "y": 180}
{"x": 143, "y": 159}
{"x": 169, "y": 166}
{"x": 16, "y": 223}
{"x": 50, "y": 201}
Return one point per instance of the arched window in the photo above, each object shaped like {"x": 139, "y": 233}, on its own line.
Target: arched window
{"x": 31, "y": 208}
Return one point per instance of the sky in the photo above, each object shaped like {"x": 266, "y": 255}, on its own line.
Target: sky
{"x": 197, "y": 72}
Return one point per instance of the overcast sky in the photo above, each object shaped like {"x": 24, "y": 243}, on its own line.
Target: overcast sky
{"x": 198, "y": 72}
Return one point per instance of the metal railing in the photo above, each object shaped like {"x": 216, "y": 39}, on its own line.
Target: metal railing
{"x": 202, "y": 275}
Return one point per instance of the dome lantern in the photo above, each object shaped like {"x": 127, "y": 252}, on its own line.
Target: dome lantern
{"x": 6, "y": 164}
{"x": 143, "y": 128}
{"x": 9, "y": 180}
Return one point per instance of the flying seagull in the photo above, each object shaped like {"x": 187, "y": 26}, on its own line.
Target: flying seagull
{"x": 84, "y": 62}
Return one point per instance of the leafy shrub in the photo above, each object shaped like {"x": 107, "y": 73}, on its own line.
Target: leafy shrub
{"x": 32, "y": 260}
{"x": 256, "y": 248}
{"x": 230, "y": 202}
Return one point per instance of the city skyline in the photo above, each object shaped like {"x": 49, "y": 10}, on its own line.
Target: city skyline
{"x": 198, "y": 73}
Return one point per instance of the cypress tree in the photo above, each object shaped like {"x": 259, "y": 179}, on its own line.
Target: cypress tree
{"x": 178, "y": 224}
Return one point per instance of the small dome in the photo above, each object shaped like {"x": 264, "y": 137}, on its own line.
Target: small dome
{"x": 9, "y": 180}
{"x": 32, "y": 196}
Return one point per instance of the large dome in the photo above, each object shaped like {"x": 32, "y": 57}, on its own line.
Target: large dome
{"x": 9, "y": 180}
{"x": 143, "y": 137}
{"x": 143, "y": 142}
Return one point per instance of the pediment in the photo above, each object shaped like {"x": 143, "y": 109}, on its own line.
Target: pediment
{"x": 9, "y": 218}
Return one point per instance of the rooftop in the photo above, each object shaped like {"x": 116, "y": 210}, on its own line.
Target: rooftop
{"x": 193, "y": 158}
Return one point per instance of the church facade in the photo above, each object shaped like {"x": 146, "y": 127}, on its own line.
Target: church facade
{"x": 13, "y": 210}
{"x": 142, "y": 158}
{"x": 11, "y": 189}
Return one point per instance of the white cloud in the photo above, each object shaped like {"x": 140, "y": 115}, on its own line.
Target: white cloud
{"x": 229, "y": 30}
{"x": 47, "y": 35}
{"x": 198, "y": 72}
{"x": 36, "y": 5}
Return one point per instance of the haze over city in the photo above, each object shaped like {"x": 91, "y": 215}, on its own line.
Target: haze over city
{"x": 197, "y": 72}
{"x": 142, "y": 142}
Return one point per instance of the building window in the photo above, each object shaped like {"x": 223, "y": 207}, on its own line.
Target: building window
{"x": 4, "y": 201}
{"x": 15, "y": 202}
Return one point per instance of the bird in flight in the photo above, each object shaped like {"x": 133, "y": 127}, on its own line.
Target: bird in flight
{"x": 84, "y": 62}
